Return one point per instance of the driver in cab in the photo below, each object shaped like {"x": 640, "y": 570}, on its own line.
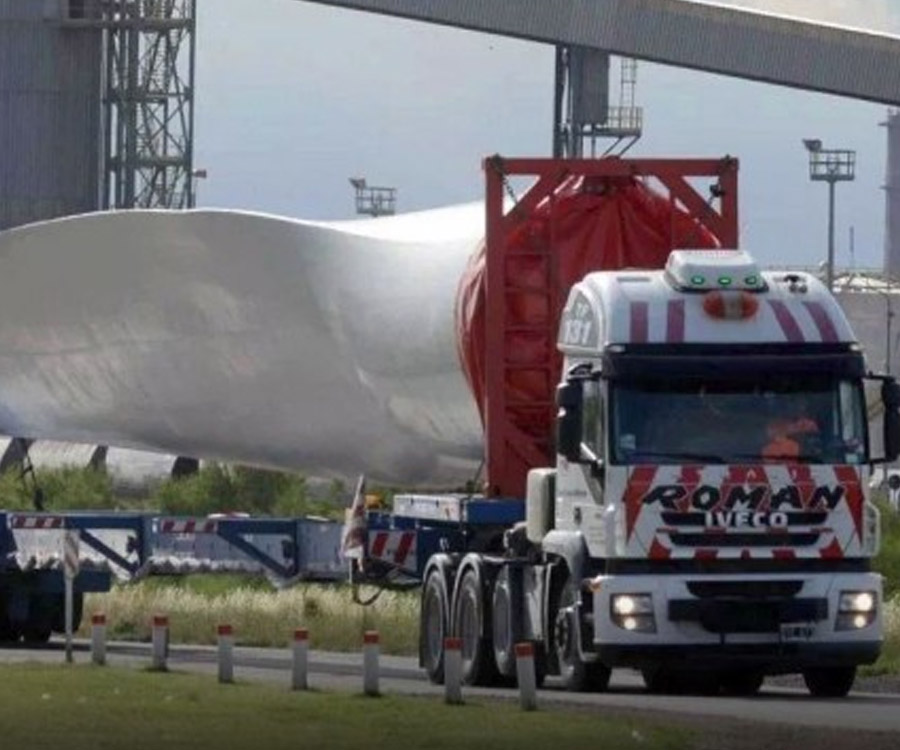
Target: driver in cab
{"x": 787, "y": 435}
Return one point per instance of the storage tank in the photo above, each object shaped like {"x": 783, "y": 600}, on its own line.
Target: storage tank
{"x": 50, "y": 109}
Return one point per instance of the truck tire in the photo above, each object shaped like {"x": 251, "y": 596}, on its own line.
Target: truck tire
{"x": 469, "y": 624}
{"x": 829, "y": 682}
{"x": 504, "y": 626}
{"x": 576, "y": 675}
{"x": 435, "y": 610}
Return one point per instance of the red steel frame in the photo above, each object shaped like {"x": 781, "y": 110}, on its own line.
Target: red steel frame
{"x": 506, "y": 465}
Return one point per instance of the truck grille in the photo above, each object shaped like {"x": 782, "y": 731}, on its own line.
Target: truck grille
{"x": 745, "y": 539}
{"x": 744, "y": 589}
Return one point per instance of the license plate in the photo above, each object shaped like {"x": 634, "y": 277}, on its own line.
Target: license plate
{"x": 797, "y": 631}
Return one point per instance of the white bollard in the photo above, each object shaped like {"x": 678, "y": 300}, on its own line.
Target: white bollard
{"x": 299, "y": 674}
{"x": 98, "y": 639}
{"x": 160, "y": 641}
{"x": 370, "y": 662}
{"x": 525, "y": 674}
{"x": 226, "y": 653}
{"x": 453, "y": 671}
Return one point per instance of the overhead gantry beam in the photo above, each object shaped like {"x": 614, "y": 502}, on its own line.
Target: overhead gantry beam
{"x": 711, "y": 38}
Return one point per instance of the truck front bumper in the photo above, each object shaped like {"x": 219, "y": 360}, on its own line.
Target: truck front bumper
{"x": 771, "y": 658}
{"x": 777, "y": 622}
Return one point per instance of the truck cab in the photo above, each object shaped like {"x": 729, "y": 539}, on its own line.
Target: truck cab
{"x": 710, "y": 495}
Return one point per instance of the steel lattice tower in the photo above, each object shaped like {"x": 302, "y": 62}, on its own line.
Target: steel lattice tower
{"x": 149, "y": 103}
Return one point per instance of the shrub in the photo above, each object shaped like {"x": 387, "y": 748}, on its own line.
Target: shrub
{"x": 220, "y": 489}
{"x": 68, "y": 488}
{"x": 888, "y": 560}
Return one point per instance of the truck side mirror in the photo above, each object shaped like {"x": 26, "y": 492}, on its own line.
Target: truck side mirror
{"x": 890, "y": 396}
{"x": 569, "y": 398}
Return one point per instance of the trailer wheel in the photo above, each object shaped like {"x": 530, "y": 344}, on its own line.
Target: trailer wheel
{"x": 829, "y": 682}
{"x": 576, "y": 675}
{"x": 435, "y": 621}
{"x": 468, "y": 623}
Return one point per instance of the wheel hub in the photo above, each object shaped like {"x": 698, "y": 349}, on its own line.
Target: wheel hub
{"x": 563, "y": 631}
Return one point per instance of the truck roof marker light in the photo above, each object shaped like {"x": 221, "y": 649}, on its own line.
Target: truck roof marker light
{"x": 709, "y": 270}
{"x": 730, "y": 305}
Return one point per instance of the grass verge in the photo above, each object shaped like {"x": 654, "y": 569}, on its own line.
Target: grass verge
{"x": 260, "y": 615}
{"x": 889, "y": 661}
{"x": 84, "y": 707}
{"x": 263, "y": 616}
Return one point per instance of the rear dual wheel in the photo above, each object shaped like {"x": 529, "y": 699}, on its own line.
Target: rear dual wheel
{"x": 470, "y": 623}
{"x": 435, "y": 625}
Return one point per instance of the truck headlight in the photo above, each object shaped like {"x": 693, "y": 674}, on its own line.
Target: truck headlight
{"x": 856, "y": 610}
{"x": 633, "y": 612}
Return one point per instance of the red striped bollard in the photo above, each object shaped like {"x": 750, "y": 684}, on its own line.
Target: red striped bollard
{"x": 525, "y": 675}
{"x": 160, "y": 642}
{"x": 98, "y": 639}
{"x": 453, "y": 671}
{"x": 370, "y": 662}
{"x": 226, "y": 653}
{"x": 299, "y": 672}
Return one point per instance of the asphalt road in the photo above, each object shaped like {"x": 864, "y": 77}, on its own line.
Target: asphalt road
{"x": 775, "y": 705}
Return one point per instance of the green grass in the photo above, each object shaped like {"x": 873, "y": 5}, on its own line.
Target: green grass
{"x": 104, "y": 708}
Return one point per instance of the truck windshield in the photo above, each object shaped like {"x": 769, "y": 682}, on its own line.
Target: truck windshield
{"x": 814, "y": 421}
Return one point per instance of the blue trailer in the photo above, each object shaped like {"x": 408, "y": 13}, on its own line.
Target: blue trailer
{"x": 116, "y": 546}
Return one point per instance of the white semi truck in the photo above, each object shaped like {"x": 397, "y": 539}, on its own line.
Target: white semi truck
{"x": 707, "y": 520}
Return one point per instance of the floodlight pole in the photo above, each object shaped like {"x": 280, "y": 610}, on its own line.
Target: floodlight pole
{"x": 831, "y": 166}
{"x": 829, "y": 272}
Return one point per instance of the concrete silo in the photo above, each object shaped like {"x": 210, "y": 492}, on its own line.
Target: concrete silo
{"x": 51, "y": 62}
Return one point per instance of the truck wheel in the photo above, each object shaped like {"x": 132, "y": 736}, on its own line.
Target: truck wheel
{"x": 504, "y": 640}
{"x": 741, "y": 682}
{"x": 435, "y": 609}
{"x": 829, "y": 682}
{"x": 576, "y": 675}
{"x": 468, "y": 623}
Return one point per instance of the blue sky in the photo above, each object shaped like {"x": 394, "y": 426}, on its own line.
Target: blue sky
{"x": 294, "y": 98}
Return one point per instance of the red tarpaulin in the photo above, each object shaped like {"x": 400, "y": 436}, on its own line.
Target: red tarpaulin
{"x": 589, "y": 224}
